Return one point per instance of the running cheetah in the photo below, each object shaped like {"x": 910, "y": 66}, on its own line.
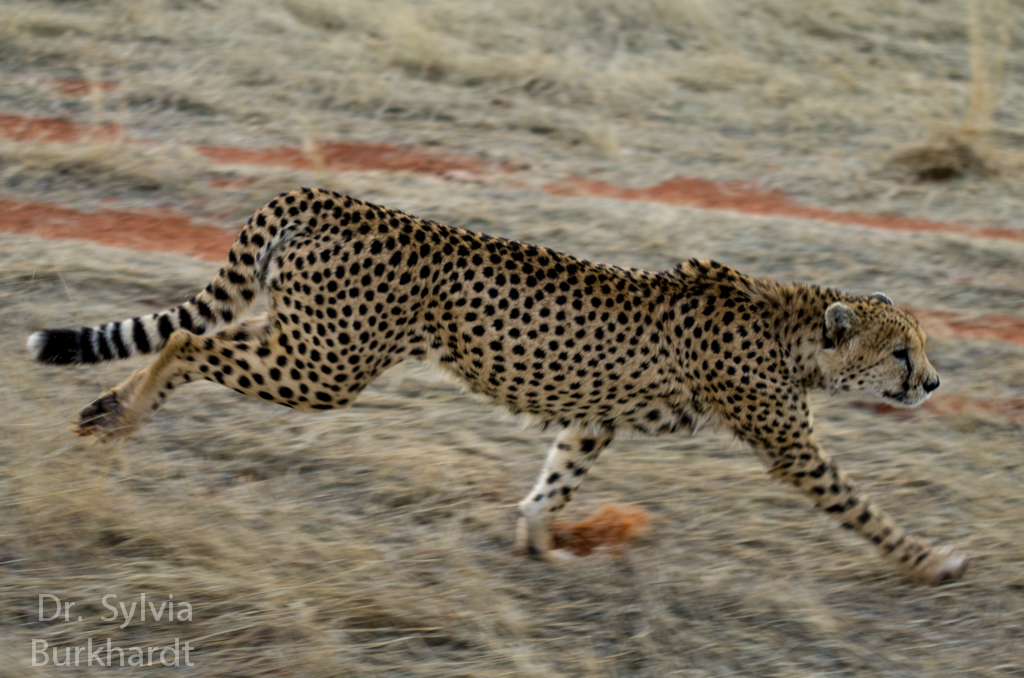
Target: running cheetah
{"x": 355, "y": 288}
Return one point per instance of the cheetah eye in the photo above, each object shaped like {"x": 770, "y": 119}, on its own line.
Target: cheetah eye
{"x": 901, "y": 355}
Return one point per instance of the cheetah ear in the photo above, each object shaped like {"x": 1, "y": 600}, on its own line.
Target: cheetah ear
{"x": 840, "y": 322}
{"x": 878, "y": 296}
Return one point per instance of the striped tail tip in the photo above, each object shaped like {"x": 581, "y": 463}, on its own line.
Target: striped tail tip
{"x": 56, "y": 347}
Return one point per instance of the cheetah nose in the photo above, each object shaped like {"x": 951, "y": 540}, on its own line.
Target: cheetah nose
{"x": 930, "y": 386}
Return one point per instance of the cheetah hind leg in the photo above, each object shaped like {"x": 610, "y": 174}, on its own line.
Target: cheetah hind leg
{"x": 122, "y": 410}
{"x": 572, "y": 455}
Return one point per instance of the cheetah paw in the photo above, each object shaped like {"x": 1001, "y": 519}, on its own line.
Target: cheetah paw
{"x": 943, "y": 565}
{"x": 549, "y": 555}
{"x": 104, "y": 418}
{"x": 560, "y": 555}
{"x": 953, "y": 565}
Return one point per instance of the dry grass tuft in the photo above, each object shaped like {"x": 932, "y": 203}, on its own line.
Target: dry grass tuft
{"x": 945, "y": 157}
{"x": 989, "y": 33}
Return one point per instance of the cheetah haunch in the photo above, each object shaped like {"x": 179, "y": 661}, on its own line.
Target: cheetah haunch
{"x": 355, "y": 288}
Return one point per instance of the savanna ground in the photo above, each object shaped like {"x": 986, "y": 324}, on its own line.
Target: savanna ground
{"x": 868, "y": 145}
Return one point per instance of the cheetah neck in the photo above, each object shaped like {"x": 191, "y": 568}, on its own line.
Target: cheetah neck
{"x": 798, "y": 322}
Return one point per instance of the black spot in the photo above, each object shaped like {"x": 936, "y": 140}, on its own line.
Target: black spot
{"x": 139, "y": 336}
{"x": 165, "y": 326}
{"x": 104, "y": 347}
{"x": 85, "y": 345}
{"x": 115, "y": 334}
{"x": 184, "y": 319}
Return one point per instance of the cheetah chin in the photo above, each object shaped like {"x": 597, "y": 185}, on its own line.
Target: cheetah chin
{"x": 598, "y": 350}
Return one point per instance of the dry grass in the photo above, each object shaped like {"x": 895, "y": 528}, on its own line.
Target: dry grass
{"x": 990, "y": 38}
{"x": 724, "y": 89}
{"x": 377, "y": 541}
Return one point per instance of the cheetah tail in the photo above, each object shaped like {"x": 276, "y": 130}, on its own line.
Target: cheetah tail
{"x": 231, "y": 292}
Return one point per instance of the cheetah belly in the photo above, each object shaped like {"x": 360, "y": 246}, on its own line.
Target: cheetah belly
{"x": 660, "y": 416}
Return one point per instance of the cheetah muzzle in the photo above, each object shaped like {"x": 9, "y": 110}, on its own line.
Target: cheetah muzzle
{"x": 355, "y": 288}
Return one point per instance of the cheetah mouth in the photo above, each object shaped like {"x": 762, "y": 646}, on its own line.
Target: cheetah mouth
{"x": 902, "y": 398}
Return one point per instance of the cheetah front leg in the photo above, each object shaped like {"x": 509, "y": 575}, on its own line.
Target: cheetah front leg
{"x": 131, "y": 404}
{"x": 812, "y": 471}
{"x": 571, "y": 456}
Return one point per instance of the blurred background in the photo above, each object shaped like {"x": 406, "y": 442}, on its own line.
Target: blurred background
{"x": 865, "y": 145}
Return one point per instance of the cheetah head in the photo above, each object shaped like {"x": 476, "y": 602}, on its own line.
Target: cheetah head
{"x": 869, "y": 345}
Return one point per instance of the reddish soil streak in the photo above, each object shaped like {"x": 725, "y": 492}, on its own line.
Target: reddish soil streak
{"x": 1002, "y": 327}
{"x": 336, "y": 156}
{"x": 746, "y": 199}
{"x": 73, "y": 87}
{"x": 1012, "y": 409}
{"x": 22, "y": 128}
{"x": 348, "y": 156}
{"x": 236, "y": 182}
{"x": 941, "y": 405}
{"x": 145, "y": 231}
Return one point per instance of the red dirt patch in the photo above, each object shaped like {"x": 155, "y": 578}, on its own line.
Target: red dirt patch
{"x": 944, "y": 405}
{"x": 144, "y": 231}
{"x": 75, "y": 87}
{"x": 348, "y": 156}
{"x": 25, "y": 128}
{"x": 1002, "y": 327}
{"x": 746, "y": 199}
{"x": 338, "y": 156}
{"x": 1012, "y": 409}
{"x": 610, "y": 529}
{"x": 900, "y": 413}
{"x": 234, "y": 182}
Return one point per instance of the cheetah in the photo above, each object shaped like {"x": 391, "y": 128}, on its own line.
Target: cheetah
{"x": 355, "y": 288}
